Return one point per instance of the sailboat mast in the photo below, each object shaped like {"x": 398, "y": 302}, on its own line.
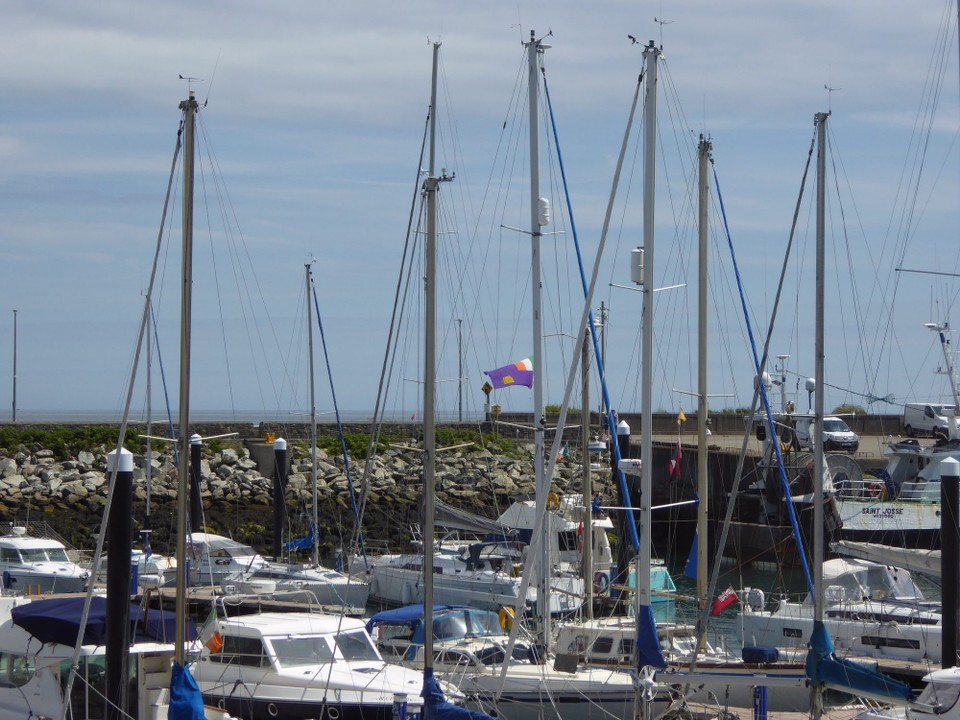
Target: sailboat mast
{"x": 587, "y": 522}
{"x": 429, "y": 378}
{"x": 651, "y": 56}
{"x": 189, "y": 108}
{"x": 703, "y": 545}
{"x": 542, "y": 483}
{"x": 313, "y": 420}
{"x": 148, "y": 461}
{"x": 817, "y": 542}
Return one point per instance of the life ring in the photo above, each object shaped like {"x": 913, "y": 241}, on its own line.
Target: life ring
{"x": 601, "y": 582}
{"x": 506, "y": 618}
{"x": 553, "y": 501}
{"x": 875, "y": 490}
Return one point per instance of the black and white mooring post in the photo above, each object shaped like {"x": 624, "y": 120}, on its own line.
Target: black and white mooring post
{"x": 119, "y": 545}
{"x": 279, "y": 492}
{"x": 196, "y": 506}
{"x": 950, "y": 556}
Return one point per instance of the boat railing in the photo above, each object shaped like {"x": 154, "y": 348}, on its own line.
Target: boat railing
{"x": 38, "y": 529}
{"x": 865, "y": 488}
{"x": 919, "y": 491}
{"x": 300, "y": 600}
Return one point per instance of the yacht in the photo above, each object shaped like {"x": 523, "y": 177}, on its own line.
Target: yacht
{"x": 35, "y": 566}
{"x": 485, "y": 573}
{"x": 299, "y": 665}
{"x": 222, "y": 562}
{"x": 871, "y": 610}
{"x": 470, "y": 651}
{"x": 37, "y": 638}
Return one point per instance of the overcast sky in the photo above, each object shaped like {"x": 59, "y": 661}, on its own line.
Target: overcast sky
{"x": 315, "y": 111}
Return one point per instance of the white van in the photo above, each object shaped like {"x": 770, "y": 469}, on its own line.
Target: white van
{"x": 837, "y": 435}
{"x": 929, "y": 419}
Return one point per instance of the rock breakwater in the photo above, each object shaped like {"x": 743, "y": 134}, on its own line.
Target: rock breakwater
{"x": 70, "y": 495}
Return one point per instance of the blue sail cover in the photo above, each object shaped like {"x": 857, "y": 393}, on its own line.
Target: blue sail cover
{"x": 186, "y": 702}
{"x": 436, "y": 706}
{"x": 304, "y": 543}
{"x": 690, "y": 569}
{"x": 57, "y": 620}
{"x": 648, "y": 643}
{"x": 408, "y": 615}
{"x": 825, "y": 668}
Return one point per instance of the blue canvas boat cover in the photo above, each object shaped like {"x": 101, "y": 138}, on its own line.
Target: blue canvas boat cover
{"x": 186, "y": 701}
{"x": 436, "y": 706}
{"x": 825, "y": 668}
{"x": 57, "y": 620}
{"x": 409, "y": 615}
{"x": 304, "y": 543}
{"x": 648, "y": 644}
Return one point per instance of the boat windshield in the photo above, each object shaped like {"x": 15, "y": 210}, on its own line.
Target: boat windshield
{"x": 941, "y": 695}
{"x": 484, "y": 623}
{"x": 450, "y": 627}
{"x": 356, "y": 646}
{"x": 302, "y": 650}
{"x": 53, "y": 554}
{"x": 877, "y": 583}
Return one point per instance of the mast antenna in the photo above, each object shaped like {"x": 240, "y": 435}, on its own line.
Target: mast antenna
{"x": 830, "y": 92}
{"x": 190, "y": 81}
{"x": 212, "y": 78}
{"x": 661, "y": 22}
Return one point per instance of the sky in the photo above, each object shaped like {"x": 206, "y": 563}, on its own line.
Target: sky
{"x": 312, "y": 121}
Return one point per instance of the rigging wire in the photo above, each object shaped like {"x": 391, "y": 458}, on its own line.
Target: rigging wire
{"x": 343, "y": 445}
{"x": 388, "y": 357}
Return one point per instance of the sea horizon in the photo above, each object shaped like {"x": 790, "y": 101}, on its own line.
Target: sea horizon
{"x": 254, "y": 417}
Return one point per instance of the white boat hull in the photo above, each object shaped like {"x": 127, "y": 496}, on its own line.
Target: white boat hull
{"x": 484, "y": 589}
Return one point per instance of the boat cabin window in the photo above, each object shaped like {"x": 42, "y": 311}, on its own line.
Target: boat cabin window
{"x": 880, "y": 583}
{"x": 9, "y": 555}
{"x": 89, "y": 687}
{"x": 242, "y": 651}
{"x": 603, "y": 645}
{"x": 567, "y": 540}
{"x": 450, "y": 627}
{"x": 453, "y": 658}
{"x": 356, "y": 646}
{"x": 219, "y": 558}
{"x": 483, "y": 623}
{"x": 941, "y": 695}
{"x": 54, "y": 554}
{"x": 299, "y": 651}
{"x": 15, "y": 670}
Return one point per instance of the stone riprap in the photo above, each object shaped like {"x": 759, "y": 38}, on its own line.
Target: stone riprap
{"x": 237, "y": 499}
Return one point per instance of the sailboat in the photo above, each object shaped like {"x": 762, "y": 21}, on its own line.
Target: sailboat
{"x": 502, "y": 679}
{"x": 824, "y": 669}
{"x": 78, "y": 655}
{"x": 518, "y": 689}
